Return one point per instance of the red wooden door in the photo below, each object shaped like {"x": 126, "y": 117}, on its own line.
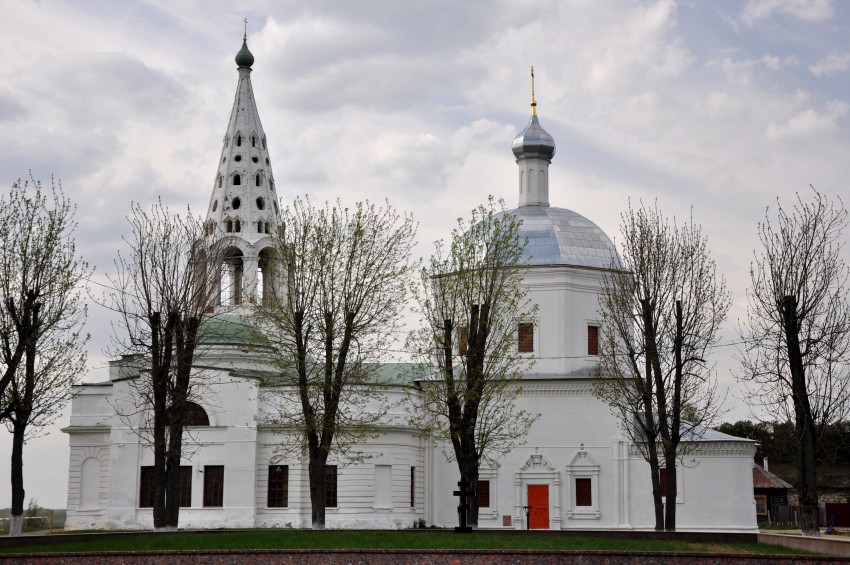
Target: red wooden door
{"x": 538, "y": 499}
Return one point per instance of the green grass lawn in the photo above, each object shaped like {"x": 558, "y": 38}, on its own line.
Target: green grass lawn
{"x": 346, "y": 539}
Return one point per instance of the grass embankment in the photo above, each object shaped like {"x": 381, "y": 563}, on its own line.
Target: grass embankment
{"x": 346, "y": 539}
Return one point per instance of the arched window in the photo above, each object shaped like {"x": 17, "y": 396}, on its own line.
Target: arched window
{"x": 267, "y": 227}
{"x": 228, "y": 226}
{"x": 237, "y": 202}
{"x": 238, "y": 226}
{"x": 237, "y": 180}
{"x": 215, "y": 205}
{"x": 195, "y": 415}
{"x": 271, "y": 184}
{"x": 261, "y": 203}
{"x": 219, "y": 181}
{"x": 264, "y": 142}
{"x": 258, "y": 180}
{"x": 260, "y": 227}
{"x": 238, "y": 141}
{"x": 253, "y": 141}
{"x": 230, "y": 288}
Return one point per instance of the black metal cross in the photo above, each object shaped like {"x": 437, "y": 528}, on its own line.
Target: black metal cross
{"x": 464, "y": 493}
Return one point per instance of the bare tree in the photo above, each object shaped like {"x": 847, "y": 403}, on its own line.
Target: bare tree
{"x": 348, "y": 275}
{"x": 471, "y": 298}
{"x": 164, "y": 284}
{"x": 797, "y": 331}
{"x": 661, "y": 312}
{"x": 41, "y": 279}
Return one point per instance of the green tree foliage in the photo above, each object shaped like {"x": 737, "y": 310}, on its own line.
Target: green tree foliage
{"x": 347, "y": 282}
{"x": 661, "y": 313}
{"x": 797, "y": 330}
{"x": 41, "y": 318}
{"x": 164, "y": 282}
{"x": 470, "y": 300}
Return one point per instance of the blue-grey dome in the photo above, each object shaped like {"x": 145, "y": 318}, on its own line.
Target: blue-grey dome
{"x": 557, "y": 236}
{"x": 534, "y": 142}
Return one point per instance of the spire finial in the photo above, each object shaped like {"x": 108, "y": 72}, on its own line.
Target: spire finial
{"x": 533, "y": 102}
{"x": 245, "y": 35}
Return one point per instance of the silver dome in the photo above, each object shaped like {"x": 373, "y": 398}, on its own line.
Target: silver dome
{"x": 534, "y": 142}
{"x": 557, "y": 236}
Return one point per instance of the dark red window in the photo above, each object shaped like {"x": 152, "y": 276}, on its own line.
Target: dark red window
{"x": 525, "y": 337}
{"x": 330, "y": 486}
{"x": 662, "y": 478}
{"x": 185, "y": 487}
{"x": 593, "y": 340}
{"x": 584, "y": 496}
{"x": 146, "y": 487}
{"x": 412, "y": 487}
{"x": 278, "y": 496}
{"x": 213, "y": 486}
{"x": 483, "y": 494}
{"x": 147, "y": 479}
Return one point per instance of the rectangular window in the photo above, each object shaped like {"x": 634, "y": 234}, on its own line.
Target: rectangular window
{"x": 761, "y": 504}
{"x": 148, "y": 479}
{"x": 383, "y": 486}
{"x": 462, "y": 340}
{"x": 185, "y": 486}
{"x": 593, "y": 340}
{"x": 278, "y": 495}
{"x": 483, "y": 494}
{"x": 525, "y": 337}
{"x": 584, "y": 497}
{"x": 330, "y": 486}
{"x": 412, "y": 487}
{"x": 146, "y": 482}
{"x": 213, "y": 486}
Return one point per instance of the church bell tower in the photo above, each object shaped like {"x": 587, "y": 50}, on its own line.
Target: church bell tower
{"x": 243, "y": 208}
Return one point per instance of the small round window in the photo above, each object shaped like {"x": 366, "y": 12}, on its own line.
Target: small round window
{"x": 261, "y": 204}
{"x": 255, "y": 159}
{"x": 236, "y": 203}
{"x": 238, "y": 158}
{"x": 215, "y": 205}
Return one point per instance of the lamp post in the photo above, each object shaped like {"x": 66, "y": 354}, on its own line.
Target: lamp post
{"x": 527, "y": 512}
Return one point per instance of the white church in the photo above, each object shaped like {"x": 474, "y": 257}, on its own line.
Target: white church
{"x": 577, "y": 469}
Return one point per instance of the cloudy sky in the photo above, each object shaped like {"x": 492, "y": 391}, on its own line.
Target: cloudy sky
{"x": 717, "y": 107}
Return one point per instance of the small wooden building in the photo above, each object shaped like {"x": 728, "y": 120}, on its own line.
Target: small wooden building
{"x": 771, "y": 494}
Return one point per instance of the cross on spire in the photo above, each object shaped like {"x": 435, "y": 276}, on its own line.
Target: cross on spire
{"x": 533, "y": 102}
{"x": 245, "y": 35}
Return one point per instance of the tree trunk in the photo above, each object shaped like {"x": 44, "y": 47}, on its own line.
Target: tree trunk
{"x": 317, "y": 490}
{"x": 18, "y": 493}
{"x": 649, "y": 416}
{"x": 804, "y": 423}
{"x": 670, "y": 494}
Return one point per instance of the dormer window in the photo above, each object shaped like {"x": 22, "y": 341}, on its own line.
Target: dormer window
{"x": 237, "y": 180}
{"x": 264, "y": 142}
{"x": 228, "y": 226}
{"x": 238, "y": 141}
{"x": 253, "y": 141}
{"x": 260, "y": 227}
{"x": 238, "y": 226}
{"x": 258, "y": 180}
{"x": 267, "y": 227}
{"x": 219, "y": 181}
{"x": 215, "y": 205}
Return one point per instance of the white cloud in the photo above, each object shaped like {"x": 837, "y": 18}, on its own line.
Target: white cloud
{"x": 830, "y": 65}
{"x": 740, "y": 71}
{"x": 809, "y": 122}
{"x": 809, "y": 10}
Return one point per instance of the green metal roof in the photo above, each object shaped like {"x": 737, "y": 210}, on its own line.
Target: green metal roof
{"x": 226, "y": 329}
